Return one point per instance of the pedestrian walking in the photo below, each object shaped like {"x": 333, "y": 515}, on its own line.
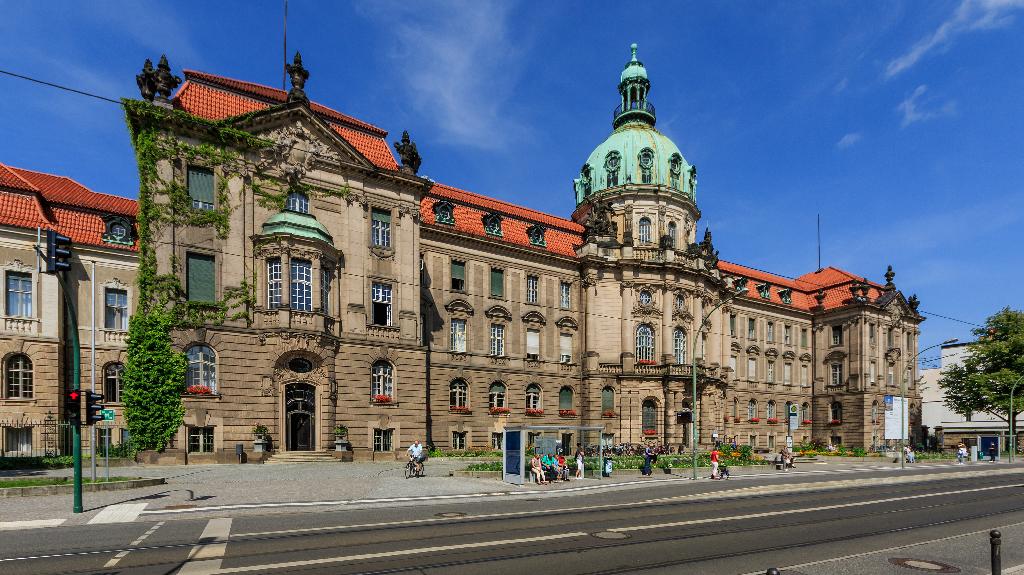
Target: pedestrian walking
{"x": 961, "y": 454}
{"x": 579, "y": 461}
{"x": 648, "y": 454}
{"x": 992, "y": 452}
{"x": 714, "y": 463}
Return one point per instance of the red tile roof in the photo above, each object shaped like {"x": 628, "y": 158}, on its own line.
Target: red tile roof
{"x": 833, "y": 281}
{"x": 216, "y": 98}
{"x": 35, "y": 199}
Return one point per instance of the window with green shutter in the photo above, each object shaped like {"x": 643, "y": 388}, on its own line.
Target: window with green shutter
{"x": 497, "y": 282}
{"x": 200, "y": 188}
{"x": 458, "y": 276}
{"x": 201, "y": 283}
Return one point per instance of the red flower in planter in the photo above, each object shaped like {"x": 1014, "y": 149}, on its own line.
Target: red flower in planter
{"x": 754, "y": 420}
{"x": 646, "y": 362}
{"x": 835, "y": 422}
{"x": 382, "y": 398}
{"x": 608, "y": 413}
{"x": 773, "y": 420}
{"x": 650, "y": 432}
{"x": 199, "y": 390}
{"x": 499, "y": 411}
{"x": 567, "y": 412}
{"x": 806, "y": 422}
{"x": 728, "y": 418}
{"x": 458, "y": 409}
{"x": 534, "y": 412}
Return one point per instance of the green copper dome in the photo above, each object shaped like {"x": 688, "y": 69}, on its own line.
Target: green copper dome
{"x": 635, "y": 153}
{"x": 297, "y": 224}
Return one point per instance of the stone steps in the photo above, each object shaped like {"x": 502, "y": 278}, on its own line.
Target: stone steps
{"x": 301, "y": 457}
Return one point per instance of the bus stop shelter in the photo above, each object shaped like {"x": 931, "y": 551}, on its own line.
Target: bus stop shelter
{"x": 522, "y": 441}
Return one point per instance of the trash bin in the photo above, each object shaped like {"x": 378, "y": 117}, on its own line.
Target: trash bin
{"x": 607, "y": 472}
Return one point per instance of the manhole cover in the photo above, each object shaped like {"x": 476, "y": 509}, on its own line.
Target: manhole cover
{"x": 923, "y": 565}
{"x": 610, "y": 535}
{"x": 450, "y": 515}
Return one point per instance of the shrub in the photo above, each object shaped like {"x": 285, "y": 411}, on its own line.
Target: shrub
{"x": 486, "y": 466}
{"x": 260, "y": 431}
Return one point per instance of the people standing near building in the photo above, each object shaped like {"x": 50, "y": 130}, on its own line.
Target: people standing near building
{"x": 648, "y": 455}
{"x": 961, "y": 454}
{"x": 714, "y": 463}
{"x": 992, "y": 452}
{"x": 579, "y": 461}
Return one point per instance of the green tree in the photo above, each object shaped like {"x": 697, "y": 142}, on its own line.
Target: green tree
{"x": 994, "y": 362}
{"x": 154, "y": 378}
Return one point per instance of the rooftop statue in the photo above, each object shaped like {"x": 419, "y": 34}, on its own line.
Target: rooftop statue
{"x": 298, "y": 75}
{"x": 408, "y": 153}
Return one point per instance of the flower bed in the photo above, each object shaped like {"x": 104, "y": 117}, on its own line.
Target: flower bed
{"x": 198, "y": 390}
{"x": 381, "y": 398}
{"x": 458, "y": 409}
{"x": 499, "y": 411}
{"x": 773, "y": 420}
{"x": 567, "y": 413}
{"x": 534, "y": 412}
{"x": 754, "y": 420}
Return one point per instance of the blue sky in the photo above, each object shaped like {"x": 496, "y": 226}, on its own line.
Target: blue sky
{"x": 900, "y": 123}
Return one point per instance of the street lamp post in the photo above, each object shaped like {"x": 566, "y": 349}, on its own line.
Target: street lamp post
{"x": 904, "y": 402}
{"x": 1013, "y": 436}
{"x": 740, "y": 290}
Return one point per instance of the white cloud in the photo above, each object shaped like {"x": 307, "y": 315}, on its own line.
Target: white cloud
{"x": 848, "y": 140}
{"x": 841, "y": 86}
{"x": 460, "y": 63}
{"x": 969, "y": 16}
{"x": 914, "y": 109}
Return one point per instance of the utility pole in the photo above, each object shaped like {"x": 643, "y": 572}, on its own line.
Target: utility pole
{"x": 904, "y": 403}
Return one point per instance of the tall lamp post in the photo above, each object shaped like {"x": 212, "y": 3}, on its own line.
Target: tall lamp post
{"x": 904, "y": 402}
{"x": 740, "y": 290}
{"x": 1013, "y": 436}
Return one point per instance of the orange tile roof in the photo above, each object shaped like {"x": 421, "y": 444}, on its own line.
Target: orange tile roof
{"x": 833, "y": 281}
{"x": 504, "y": 208}
{"x": 216, "y": 98}
{"x": 21, "y": 210}
{"x": 10, "y": 179}
{"x": 64, "y": 190}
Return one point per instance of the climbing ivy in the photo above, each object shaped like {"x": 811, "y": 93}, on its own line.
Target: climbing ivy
{"x": 154, "y": 375}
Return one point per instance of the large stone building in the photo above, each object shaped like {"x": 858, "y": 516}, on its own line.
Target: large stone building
{"x": 405, "y": 308}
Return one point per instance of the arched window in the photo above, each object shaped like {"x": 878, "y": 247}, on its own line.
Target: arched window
{"x": 650, "y": 417}
{"x": 458, "y": 393}
{"x": 836, "y": 411}
{"x": 607, "y": 399}
{"x": 672, "y": 234}
{"x": 202, "y": 367}
{"x": 533, "y": 396}
{"x": 113, "y": 375}
{"x": 297, "y": 202}
{"x": 805, "y": 412}
{"x": 644, "y": 343}
{"x": 382, "y": 381}
{"x": 565, "y": 398}
{"x": 679, "y": 345}
{"x": 751, "y": 409}
{"x": 644, "y": 230}
{"x": 770, "y": 410}
{"x": 496, "y": 395}
{"x": 19, "y": 377}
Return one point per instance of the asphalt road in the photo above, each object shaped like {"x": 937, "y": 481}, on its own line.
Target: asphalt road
{"x": 655, "y": 529}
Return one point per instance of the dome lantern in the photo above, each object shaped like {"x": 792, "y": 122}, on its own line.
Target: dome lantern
{"x": 633, "y": 89}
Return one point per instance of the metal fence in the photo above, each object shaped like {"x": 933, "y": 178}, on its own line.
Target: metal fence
{"x": 50, "y": 437}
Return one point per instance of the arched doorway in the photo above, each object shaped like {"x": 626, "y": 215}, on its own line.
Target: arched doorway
{"x": 299, "y": 409}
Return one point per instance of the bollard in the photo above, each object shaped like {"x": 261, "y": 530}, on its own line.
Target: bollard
{"x": 996, "y": 540}
{"x": 772, "y": 571}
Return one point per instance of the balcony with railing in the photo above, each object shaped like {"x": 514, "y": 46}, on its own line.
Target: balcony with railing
{"x": 635, "y": 111}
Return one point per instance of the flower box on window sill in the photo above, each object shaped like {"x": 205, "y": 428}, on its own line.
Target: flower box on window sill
{"x": 805, "y": 422}
{"x": 567, "y": 413}
{"x": 754, "y": 420}
{"x": 382, "y": 399}
{"x": 608, "y": 413}
{"x": 727, "y": 419}
{"x": 650, "y": 432}
{"x": 499, "y": 411}
{"x": 461, "y": 409}
{"x": 646, "y": 362}
{"x": 198, "y": 390}
{"x": 835, "y": 422}
{"x": 534, "y": 412}
{"x": 773, "y": 420}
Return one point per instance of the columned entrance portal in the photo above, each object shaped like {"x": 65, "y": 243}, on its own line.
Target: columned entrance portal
{"x": 300, "y": 403}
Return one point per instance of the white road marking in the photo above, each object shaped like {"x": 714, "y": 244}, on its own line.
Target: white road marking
{"x": 117, "y": 558}
{"x": 400, "y": 553}
{"x": 121, "y": 513}
{"x": 32, "y": 524}
{"x": 776, "y": 513}
{"x": 205, "y": 558}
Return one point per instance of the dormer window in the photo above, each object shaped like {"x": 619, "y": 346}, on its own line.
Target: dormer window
{"x": 786, "y": 295}
{"x": 764, "y": 290}
{"x": 585, "y": 180}
{"x": 646, "y": 159}
{"x": 444, "y": 213}
{"x": 297, "y": 202}
{"x": 645, "y": 230}
{"x": 675, "y": 169}
{"x": 611, "y": 165}
{"x": 536, "y": 235}
{"x": 118, "y": 230}
{"x": 492, "y": 224}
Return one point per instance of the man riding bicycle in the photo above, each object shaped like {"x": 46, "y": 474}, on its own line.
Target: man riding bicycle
{"x": 417, "y": 456}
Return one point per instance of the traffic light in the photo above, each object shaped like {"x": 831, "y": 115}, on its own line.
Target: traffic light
{"x": 93, "y": 407}
{"x": 58, "y": 252}
{"x": 73, "y": 406}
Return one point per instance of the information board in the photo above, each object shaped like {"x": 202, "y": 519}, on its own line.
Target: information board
{"x": 896, "y": 421}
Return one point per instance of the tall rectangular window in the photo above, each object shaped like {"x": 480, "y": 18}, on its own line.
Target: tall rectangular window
{"x": 531, "y": 289}
{"x": 837, "y": 335}
{"x": 497, "y": 282}
{"x": 459, "y": 439}
{"x": 200, "y": 285}
{"x": 803, "y": 375}
{"x": 381, "y": 297}
{"x": 533, "y": 343}
{"x": 803, "y": 337}
{"x": 200, "y": 440}
{"x": 751, "y": 328}
{"x": 326, "y": 280}
{"x": 770, "y": 372}
{"x": 891, "y": 377}
{"x": 836, "y": 374}
{"x": 872, "y": 368}
{"x": 380, "y": 227}
{"x": 770, "y": 332}
{"x": 732, "y": 325}
{"x": 751, "y": 368}
{"x": 115, "y": 313}
{"x": 200, "y": 188}
{"x": 302, "y": 285}
{"x": 564, "y": 295}
{"x": 19, "y": 294}
{"x": 458, "y": 276}
{"x": 871, "y": 334}
{"x": 787, "y": 374}
{"x": 274, "y": 279}
{"x": 891, "y": 338}
{"x": 787, "y": 335}
{"x": 732, "y": 364}
{"x": 382, "y": 440}
{"x": 458, "y": 341}
{"x": 497, "y": 339}
{"x": 565, "y": 348}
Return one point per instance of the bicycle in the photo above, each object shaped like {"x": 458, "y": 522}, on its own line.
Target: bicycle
{"x": 412, "y": 471}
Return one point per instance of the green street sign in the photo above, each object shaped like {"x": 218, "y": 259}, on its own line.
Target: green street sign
{"x": 108, "y": 414}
